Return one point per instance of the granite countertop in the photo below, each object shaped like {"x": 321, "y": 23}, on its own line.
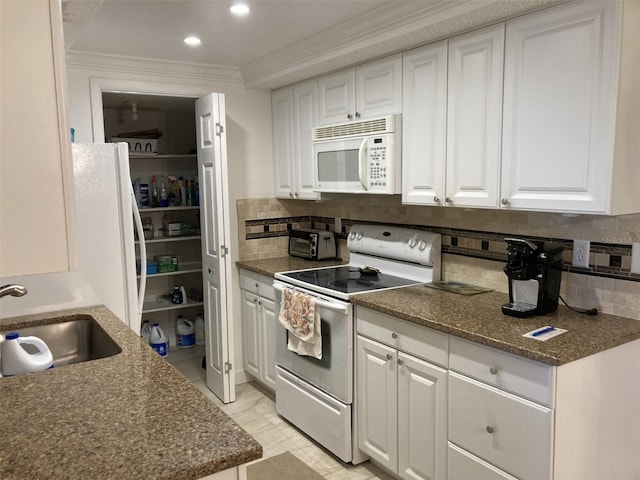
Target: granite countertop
{"x": 129, "y": 416}
{"x": 478, "y": 318}
{"x": 271, "y": 266}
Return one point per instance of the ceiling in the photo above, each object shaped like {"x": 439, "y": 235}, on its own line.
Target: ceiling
{"x": 280, "y": 41}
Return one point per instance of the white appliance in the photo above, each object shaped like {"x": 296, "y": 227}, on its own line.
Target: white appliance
{"x": 358, "y": 157}
{"x": 317, "y": 395}
{"x": 106, "y": 215}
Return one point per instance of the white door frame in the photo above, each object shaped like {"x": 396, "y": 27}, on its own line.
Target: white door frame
{"x": 97, "y": 87}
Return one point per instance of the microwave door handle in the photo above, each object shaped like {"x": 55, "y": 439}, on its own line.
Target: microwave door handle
{"x": 362, "y": 152}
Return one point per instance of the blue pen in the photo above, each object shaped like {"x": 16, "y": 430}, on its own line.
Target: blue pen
{"x": 544, "y": 330}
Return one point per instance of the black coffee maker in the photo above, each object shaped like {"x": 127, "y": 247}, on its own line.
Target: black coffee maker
{"x": 534, "y": 270}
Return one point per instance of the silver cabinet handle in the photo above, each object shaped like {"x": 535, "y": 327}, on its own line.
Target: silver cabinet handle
{"x": 448, "y": 200}
{"x": 394, "y": 335}
{"x": 389, "y": 356}
{"x": 257, "y": 285}
{"x": 490, "y": 429}
{"x": 210, "y": 271}
{"x": 504, "y": 201}
{"x": 255, "y": 300}
{"x": 400, "y": 362}
{"x": 357, "y": 114}
{"x": 436, "y": 199}
{"x": 493, "y": 370}
{"x": 291, "y": 194}
{"x": 349, "y": 116}
{"x": 259, "y": 302}
{"x": 295, "y": 194}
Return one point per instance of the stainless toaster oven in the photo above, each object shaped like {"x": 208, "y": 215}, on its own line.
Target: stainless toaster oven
{"x": 312, "y": 244}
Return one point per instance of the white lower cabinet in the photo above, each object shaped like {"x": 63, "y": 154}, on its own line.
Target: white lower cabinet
{"x": 401, "y": 399}
{"x": 258, "y": 327}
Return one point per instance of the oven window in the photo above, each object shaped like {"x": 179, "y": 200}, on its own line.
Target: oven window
{"x": 338, "y": 166}
{"x": 325, "y": 361}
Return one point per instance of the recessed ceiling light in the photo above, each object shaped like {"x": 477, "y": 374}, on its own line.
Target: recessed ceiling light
{"x": 239, "y": 9}
{"x": 192, "y": 41}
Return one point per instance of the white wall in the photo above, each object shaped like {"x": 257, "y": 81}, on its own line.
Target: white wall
{"x": 248, "y": 129}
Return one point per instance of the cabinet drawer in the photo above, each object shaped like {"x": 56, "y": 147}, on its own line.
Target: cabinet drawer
{"x": 422, "y": 342}
{"x": 519, "y": 375}
{"x": 464, "y": 466}
{"x": 257, "y": 283}
{"x": 512, "y": 433}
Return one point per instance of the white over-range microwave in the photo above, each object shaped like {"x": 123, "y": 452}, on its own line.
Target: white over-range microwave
{"x": 358, "y": 157}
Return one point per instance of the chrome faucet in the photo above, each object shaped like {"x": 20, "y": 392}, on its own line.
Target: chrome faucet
{"x": 13, "y": 290}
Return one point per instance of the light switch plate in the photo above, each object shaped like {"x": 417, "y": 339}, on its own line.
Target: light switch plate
{"x": 635, "y": 257}
{"x": 581, "y": 253}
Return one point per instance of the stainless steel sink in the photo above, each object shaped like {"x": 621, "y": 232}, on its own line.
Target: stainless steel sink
{"x": 74, "y": 341}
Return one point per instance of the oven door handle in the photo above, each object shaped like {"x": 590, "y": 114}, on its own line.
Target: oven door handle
{"x": 335, "y": 306}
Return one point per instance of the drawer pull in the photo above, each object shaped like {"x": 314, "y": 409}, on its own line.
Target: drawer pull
{"x": 400, "y": 362}
{"x": 490, "y": 429}
{"x": 493, "y": 371}
{"x": 389, "y": 356}
{"x": 394, "y": 335}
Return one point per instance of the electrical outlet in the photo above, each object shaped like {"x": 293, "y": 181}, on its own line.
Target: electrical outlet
{"x": 581, "y": 253}
{"x": 635, "y": 257}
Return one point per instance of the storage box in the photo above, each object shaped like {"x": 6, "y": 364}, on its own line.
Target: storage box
{"x": 174, "y": 229}
{"x": 167, "y": 263}
{"x": 152, "y": 268}
{"x": 138, "y": 145}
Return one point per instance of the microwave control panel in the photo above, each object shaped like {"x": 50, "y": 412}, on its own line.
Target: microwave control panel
{"x": 379, "y": 155}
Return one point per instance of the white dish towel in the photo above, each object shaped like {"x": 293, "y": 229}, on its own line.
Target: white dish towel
{"x": 299, "y": 315}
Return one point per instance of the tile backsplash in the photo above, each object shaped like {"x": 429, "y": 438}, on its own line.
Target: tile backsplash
{"x": 473, "y": 247}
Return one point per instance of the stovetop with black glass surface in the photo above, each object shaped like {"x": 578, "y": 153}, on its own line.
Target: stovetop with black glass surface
{"x": 347, "y": 279}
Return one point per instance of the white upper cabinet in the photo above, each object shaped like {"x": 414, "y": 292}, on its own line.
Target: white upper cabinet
{"x": 35, "y": 204}
{"x": 424, "y": 120}
{"x": 474, "y": 118}
{"x": 570, "y": 122}
{"x": 283, "y": 130}
{"x": 367, "y": 91}
{"x": 295, "y": 113}
{"x": 305, "y": 114}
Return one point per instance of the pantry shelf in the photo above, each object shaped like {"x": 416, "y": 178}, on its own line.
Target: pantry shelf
{"x": 185, "y": 268}
{"x": 163, "y": 155}
{"x": 171, "y": 239}
{"x": 169, "y": 209}
{"x": 165, "y": 305}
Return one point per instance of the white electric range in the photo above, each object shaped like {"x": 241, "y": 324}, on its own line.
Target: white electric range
{"x": 317, "y": 395}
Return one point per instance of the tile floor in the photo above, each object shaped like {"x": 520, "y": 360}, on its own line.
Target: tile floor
{"x": 254, "y": 410}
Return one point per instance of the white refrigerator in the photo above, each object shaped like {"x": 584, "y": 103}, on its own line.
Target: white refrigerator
{"x": 106, "y": 218}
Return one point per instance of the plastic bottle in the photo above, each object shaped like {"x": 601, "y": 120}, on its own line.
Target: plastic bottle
{"x": 145, "y": 331}
{"x": 16, "y": 360}
{"x": 155, "y": 201}
{"x": 189, "y": 192}
{"x": 196, "y": 195}
{"x": 183, "y": 191}
{"x": 163, "y": 199}
{"x": 199, "y": 329}
{"x": 159, "y": 341}
{"x": 185, "y": 333}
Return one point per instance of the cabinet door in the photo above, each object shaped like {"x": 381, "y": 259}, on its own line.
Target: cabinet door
{"x": 475, "y": 118}
{"x": 377, "y": 402}
{"x": 379, "y": 88}
{"x": 36, "y": 158}
{"x": 424, "y": 117}
{"x": 250, "y": 333}
{"x": 422, "y": 419}
{"x": 336, "y": 97}
{"x": 512, "y": 433}
{"x": 559, "y": 107}
{"x": 305, "y": 106}
{"x": 283, "y": 143}
{"x": 269, "y": 330}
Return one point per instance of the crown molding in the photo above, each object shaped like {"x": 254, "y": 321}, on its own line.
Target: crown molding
{"x": 161, "y": 69}
{"x": 391, "y": 28}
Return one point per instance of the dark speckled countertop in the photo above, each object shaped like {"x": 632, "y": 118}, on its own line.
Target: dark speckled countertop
{"x": 271, "y": 266}
{"x": 479, "y": 318}
{"x": 129, "y": 416}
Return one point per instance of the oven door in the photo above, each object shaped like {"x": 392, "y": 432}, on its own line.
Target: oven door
{"x": 333, "y": 374}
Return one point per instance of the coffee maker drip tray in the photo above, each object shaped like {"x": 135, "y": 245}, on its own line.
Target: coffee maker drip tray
{"x": 519, "y": 309}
